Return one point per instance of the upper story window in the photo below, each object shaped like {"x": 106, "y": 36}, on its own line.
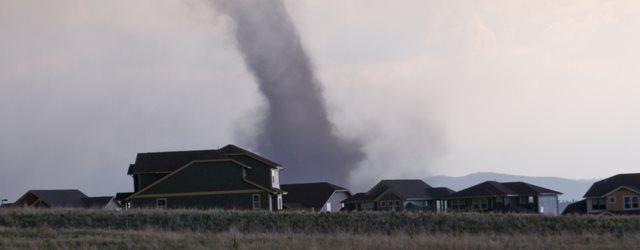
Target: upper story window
{"x": 598, "y": 204}
{"x": 631, "y": 202}
{"x": 275, "y": 178}
{"x": 612, "y": 199}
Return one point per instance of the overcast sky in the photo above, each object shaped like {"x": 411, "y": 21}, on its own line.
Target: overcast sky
{"x": 543, "y": 88}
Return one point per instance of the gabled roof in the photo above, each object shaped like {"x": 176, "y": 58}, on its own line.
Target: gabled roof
{"x": 494, "y": 188}
{"x": 607, "y": 185}
{"x": 439, "y": 192}
{"x": 523, "y": 188}
{"x": 407, "y": 189}
{"x": 358, "y": 197}
{"x": 71, "y": 198}
{"x": 234, "y": 150}
{"x": 487, "y": 188}
{"x": 166, "y": 162}
{"x": 97, "y": 202}
{"x": 578, "y": 207}
{"x": 309, "y": 195}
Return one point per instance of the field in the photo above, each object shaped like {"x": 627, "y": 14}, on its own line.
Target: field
{"x": 190, "y": 229}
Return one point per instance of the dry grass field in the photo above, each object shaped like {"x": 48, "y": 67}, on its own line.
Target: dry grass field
{"x": 188, "y": 229}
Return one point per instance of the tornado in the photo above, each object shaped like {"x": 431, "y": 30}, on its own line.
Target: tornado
{"x": 296, "y": 132}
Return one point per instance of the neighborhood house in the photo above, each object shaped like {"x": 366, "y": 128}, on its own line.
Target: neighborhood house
{"x": 230, "y": 177}
{"x": 492, "y": 196}
{"x": 399, "y": 195}
{"x": 234, "y": 178}
{"x": 64, "y": 198}
{"x": 619, "y": 194}
{"x": 321, "y": 196}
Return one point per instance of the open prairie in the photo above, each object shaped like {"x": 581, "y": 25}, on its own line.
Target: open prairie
{"x": 217, "y": 229}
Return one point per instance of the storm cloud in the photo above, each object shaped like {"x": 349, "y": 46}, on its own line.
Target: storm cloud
{"x": 296, "y": 130}
{"x": 426, "y": 87}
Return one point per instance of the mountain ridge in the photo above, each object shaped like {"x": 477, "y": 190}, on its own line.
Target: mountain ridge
{"x": 572, "y": 189}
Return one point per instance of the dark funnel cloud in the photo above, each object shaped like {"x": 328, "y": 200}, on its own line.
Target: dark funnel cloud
{"x": 296, "y": 132}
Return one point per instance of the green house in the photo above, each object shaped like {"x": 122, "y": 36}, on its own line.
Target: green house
{"x": 228, "y": 178}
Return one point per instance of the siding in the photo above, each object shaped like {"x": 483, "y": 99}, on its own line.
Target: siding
{"x": 548, "y": 205}
{"x": 335, "y": 200}
{"x": 147, "y": 179}
{"x": 619, "y": 202}
{"x": 227, "y": 201}
{"x": 203, "y": 177}
{"x": 260, "y": 172}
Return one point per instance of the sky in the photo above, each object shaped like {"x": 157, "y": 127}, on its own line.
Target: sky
{"x": 540, "y": 88}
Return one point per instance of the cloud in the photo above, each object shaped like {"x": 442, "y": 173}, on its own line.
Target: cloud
{"x": 531, "y": 88}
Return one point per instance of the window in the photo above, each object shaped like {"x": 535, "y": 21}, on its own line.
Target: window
{"x": 275, "y": 179}
{"x": 480, "y": 203}
{"x": 598, "y": 204}
{"x": 612, "y": 199}
{"x": 530, "y": 199}
{"x": 161, "y": 203}
{"x": 458, "y": 204}
{"x": 522, "y": 200}
{"x": 397, "y": 203}
{"x": 328, "y": 206}
{"x": 279, "y": 202}
{"x": 256, "y": 201}
{"x": 631, "y": 202}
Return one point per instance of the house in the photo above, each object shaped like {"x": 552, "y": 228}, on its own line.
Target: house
{"x": 64, "y": 198}
{"x": 492, "y": 196}
{"x": 618, "y": 194}
{"x": 399, "y": 195}
{"x": 320, "y": 196}
{"x": 230, "y": 177}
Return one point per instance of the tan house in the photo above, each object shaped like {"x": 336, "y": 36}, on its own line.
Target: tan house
{"x": 619, "y": 194}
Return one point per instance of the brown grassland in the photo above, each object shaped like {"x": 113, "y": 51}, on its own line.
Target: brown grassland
{"x": 217, "y": 229}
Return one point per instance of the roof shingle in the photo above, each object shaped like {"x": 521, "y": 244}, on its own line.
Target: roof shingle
{"x": 70, "y": 198}
{"x": 494, "y": 188}
{"x": 309, "y": 195}
{"x": 607, "y": 185}
{"x": 166, "y": 162}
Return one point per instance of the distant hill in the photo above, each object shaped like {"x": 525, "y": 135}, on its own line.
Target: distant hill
{"x": 572, "y": 189}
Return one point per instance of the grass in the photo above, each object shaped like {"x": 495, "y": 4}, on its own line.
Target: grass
{"x": 217, "y": 229}
{"x": 46, "y": 238}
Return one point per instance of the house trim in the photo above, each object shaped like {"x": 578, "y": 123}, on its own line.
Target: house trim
{"x": 621, "y": 187}
{"x": 199, "y": 193}
{"x": 385, "y": 192}
{"x": 255, "y": 158}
